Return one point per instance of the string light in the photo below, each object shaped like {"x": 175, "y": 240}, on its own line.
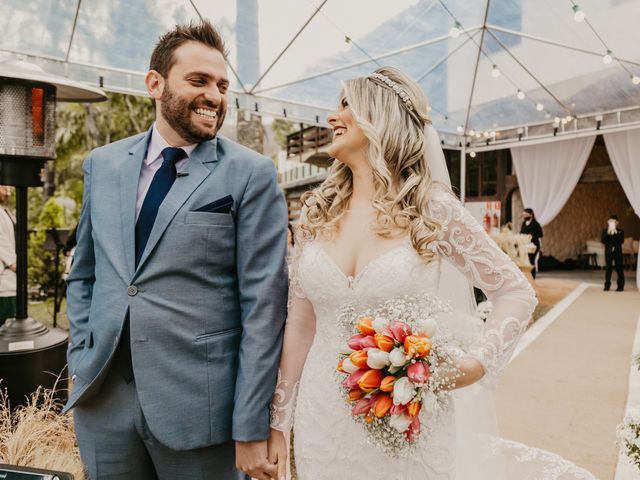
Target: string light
{"x": 455, "y": 30}
{"x": 471, "y": 133}
{"x": 460, "y": 129}
{"x": 472, "y": 154}
{"x": 495, "y": 72}
{"x": 578, "y": 15}
{"x": 539, "y": 107}
{"x": 607, "y": 59}
{"x": 635, "y": 79}
{"x": 520, "y": 95}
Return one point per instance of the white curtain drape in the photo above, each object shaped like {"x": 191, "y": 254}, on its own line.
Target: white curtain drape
{"x": 548, "y": 173}
{"x": 624, "y": 152}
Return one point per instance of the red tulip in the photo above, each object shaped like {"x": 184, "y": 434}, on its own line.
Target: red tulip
{"x": 368, "y": 342}
{"x": 400, "y": 330}
{"x": 414, "y": 430}
{"x": 418, "y": 373}
{"x": 354, "y": 342}
{"x": 398, "y": 409}
{"x": 361, "y": 407}
{"x": 351, "y": 381}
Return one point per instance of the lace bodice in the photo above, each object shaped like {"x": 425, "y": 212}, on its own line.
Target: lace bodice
{"x": 319, "y": 288}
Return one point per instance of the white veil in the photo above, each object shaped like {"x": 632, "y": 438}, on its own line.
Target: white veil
{"x": 481, "y": 453}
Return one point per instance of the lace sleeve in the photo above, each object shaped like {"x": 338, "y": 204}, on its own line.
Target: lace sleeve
{"x": 298, "y": 337}
{"x": 465, "y": 244}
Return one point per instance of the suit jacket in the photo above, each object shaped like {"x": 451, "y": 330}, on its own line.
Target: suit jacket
{"x": 206, "y": 304}
{"x": 535, "y": 230}
{"x": 613, "y": 243}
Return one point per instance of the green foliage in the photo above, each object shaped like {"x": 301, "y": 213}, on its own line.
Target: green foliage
{"x": 281, "y": 128}
{"x": 80, "y": 128}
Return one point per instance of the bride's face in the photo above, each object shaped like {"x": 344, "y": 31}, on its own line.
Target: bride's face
{"x": 349, "y": 142}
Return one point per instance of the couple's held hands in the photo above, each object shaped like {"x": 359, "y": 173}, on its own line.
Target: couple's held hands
{"x": 264, "y": 459}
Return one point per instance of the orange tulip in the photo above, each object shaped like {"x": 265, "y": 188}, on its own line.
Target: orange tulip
{"x": 339, "y": 367}
{"x": 370, "y": 381}
{"x": 387, "y": 383}
{"x": 384, "y": 343}
{"x": 414, "y": 408}
{"x": 383, "y": 405}
{"x": 359, "y": 358}
{"x": 417, "y": 346}
{"x": 365, "y": 326}
{"x": 355, "y": 394}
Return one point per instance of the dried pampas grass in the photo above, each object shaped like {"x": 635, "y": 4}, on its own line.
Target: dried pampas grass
{"x": 36, "y": 435}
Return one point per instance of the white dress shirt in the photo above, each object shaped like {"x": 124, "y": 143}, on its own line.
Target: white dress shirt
{"x": 153, "y": 162}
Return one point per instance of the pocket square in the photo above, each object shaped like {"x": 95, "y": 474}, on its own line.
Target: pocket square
{"x": 222, "y": 205}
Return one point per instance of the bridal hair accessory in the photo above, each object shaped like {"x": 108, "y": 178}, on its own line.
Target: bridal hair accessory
{"x": 404, "y": 96}
{"x": 396, "y": 365}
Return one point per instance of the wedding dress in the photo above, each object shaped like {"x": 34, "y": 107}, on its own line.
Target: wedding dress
{"x": 328, "y": 444}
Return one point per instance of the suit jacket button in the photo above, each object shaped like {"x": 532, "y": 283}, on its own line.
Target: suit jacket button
{"x": 73, "y": 379}
{"x": 132, "y": 290}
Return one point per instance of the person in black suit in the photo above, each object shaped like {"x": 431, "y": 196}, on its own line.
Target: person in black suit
{"x": 613, "y": 237}
{"x": 531, "y": 227}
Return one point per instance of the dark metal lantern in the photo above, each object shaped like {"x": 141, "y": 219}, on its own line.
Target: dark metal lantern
{"x": 31, "y": 355}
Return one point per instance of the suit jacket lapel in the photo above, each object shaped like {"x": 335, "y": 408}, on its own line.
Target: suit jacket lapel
{"x": 200, "y": 164}
{"x": 129, "y": 178}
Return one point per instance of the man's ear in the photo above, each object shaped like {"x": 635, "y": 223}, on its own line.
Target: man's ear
{"x": 155, "y": 84}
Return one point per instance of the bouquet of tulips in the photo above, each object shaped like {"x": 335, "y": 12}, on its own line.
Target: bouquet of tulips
{"x": 397, "y": 362}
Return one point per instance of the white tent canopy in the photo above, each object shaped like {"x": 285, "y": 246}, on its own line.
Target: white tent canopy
{"x": 495, "y": 70}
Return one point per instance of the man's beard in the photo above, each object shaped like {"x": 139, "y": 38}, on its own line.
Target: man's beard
{"x": 177, "y": 112}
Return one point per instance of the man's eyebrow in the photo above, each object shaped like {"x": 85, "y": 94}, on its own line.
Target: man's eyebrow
{"x": 206, "y": 75}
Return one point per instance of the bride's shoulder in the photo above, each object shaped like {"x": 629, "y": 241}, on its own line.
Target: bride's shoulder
{"x": 442, "y": 196}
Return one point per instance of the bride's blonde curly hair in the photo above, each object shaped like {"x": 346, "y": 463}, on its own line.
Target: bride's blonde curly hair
{"x": 395, "y": 151}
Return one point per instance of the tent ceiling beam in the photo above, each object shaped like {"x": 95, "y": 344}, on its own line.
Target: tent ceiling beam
{"x": 475, "y": 70}
{"x": 444, "y": 58}
{"x": 363, "y": 62}
{"x": 531, "y": 74}
{"x": 266, "y": 72}
{"x": 73, "y": 31}
{"x": 233, "y": 70}
{"x": 495, "y": 28}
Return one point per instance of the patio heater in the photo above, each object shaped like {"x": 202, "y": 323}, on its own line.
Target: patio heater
{"x": 31, "y": 354}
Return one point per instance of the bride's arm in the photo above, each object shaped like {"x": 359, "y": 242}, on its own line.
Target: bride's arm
{"x": 473, "y": 252}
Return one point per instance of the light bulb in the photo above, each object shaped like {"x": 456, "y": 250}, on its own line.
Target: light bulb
{"x": 460, "y": 129}
{"x": 563, "y": 121}
{"x": 493, "y": 134}
{"x": 635, "y": 80}
{"x": 471, "y": 133}
{"x": 455, "y": 31}
{"x": 578, "y": 15}
{"x": 495, "y": 72}
{"x": 520, "y": 95}
{"x": 607, "y": 59}
{"x": 478, "y": 135}
{"x": 568, "y": 118}
{"x": 539, "y": 107}
{"x": 472, "y": 154}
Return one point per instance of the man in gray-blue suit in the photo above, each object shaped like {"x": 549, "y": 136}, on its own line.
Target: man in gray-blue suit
{"x": 177, "y": 294}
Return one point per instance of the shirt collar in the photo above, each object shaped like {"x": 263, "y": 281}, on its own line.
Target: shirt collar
{"x": 157, "y": 144}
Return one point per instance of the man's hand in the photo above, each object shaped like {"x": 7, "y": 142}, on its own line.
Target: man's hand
{"x": 277, "y": 446}
{"x": 251, "y": 458}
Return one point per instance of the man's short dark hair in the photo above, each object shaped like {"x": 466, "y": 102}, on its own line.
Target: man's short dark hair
{"x": 613, "y": 217}
{"x": 162, "y": 58}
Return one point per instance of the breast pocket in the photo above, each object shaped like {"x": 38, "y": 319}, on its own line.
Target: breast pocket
{"x": 209, "y": 219}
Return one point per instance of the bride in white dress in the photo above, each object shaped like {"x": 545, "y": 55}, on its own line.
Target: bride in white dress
{"x": 380, "y": 227}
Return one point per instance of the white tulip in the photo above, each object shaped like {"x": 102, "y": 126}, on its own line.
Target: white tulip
{"x": 377, "y": 358}
{"x": 379, "y": 323}
{"x": 348, "y": 366}
{"x": 402, "y": 391}
{"x": 397, "y": 357}
{"x": 400, "y": 422}
{"x": 427, "y": 326}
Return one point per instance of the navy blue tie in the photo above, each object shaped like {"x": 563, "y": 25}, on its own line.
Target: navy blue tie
{"x": 160, "y": 186}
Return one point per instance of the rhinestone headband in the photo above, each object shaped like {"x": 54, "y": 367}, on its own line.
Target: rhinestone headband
{"x": 404, "y": 96}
